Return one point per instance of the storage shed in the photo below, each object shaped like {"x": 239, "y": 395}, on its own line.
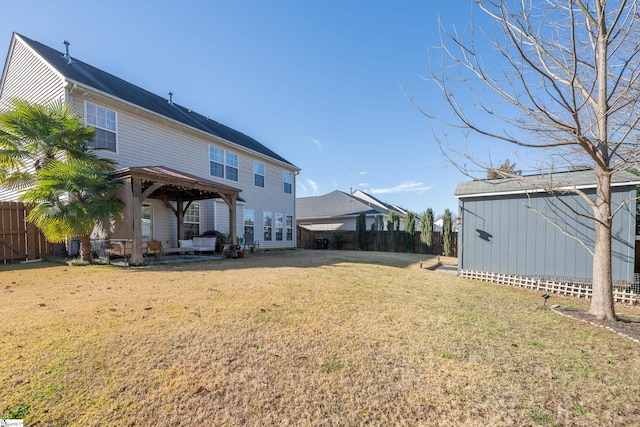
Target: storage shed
{"x": 530, "y": 226}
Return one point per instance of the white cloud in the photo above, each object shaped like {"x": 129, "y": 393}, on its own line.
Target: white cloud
{"x": 361, "y": 173}
{"x": 316, "y": 142}
{"x": 313, "y": 185}
{"x": 304, "y": 191}
{"x": 408, "y": 186}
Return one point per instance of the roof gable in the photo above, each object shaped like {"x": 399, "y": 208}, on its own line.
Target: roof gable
{"x": 85, "y": 74}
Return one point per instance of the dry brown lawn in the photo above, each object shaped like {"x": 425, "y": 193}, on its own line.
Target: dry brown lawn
{"x": 301, "y": 338}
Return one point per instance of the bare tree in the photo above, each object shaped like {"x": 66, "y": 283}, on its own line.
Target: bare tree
{"x": 565, "y": 74}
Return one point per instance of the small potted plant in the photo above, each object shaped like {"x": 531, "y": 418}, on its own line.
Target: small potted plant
{"x": 240, "y": 247}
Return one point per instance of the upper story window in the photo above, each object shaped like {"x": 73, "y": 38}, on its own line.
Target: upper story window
{"x": 258, "y": 174}
{"x": 104, "y": 122}
{"x": 223, "y": 164}
{"x": 288, "y": 180}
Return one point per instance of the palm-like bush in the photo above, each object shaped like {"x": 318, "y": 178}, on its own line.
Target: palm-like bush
{"x": 70, "y": 197}
{"x": 32, "y": 135}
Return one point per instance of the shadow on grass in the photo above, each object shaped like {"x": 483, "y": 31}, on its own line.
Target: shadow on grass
{"x": 299, "y": 259}
{"x": 264, "y": 259}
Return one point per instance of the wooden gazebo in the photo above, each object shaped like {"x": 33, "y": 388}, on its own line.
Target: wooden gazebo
{"x": 168, "y": 185}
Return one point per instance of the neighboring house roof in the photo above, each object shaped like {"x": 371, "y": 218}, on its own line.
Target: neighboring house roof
{"x": 559, "y": 181}
{"x": 376, "y": 203}
{"x": 85, "y": 74}
{"x": 331, "y": 205}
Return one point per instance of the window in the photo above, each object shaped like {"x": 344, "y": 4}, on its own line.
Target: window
{"x": 279, "y": 226}
{"x": 192, "y": 221}
{"x": 232, "y": 166}
{"x": 288, "y": 179}
{"x": 289, "y": 227}
{"x": 103, "y": 121}
{"x": 146, "y": 216}
{"x": 249, "y": 225}
{"x": 223, "y": 164}
{"x": 258, "y": 174}
{"x": 268, "y": 226}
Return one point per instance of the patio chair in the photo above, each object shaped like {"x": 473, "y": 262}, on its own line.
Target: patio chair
{"x": 154, "y": 247}
{"x": 119, "y": 248}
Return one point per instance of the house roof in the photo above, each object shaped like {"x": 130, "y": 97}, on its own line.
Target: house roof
{"x": 334, "y": 204}
{"x": 559, "y": 181}
{"x": 87, "y": 75}
{"x": 377, "y": 203}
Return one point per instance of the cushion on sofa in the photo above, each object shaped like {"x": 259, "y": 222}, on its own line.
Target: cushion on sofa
{"x": 185, "y": 243}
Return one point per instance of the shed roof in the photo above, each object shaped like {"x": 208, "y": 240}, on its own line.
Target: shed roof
{"x": 88, "y": 75}
{"x": 558, "y": 181}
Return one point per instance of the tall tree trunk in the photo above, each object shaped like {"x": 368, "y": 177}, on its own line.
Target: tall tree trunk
{"x": 602, "y": 300}
{"x": 85, "y": 248}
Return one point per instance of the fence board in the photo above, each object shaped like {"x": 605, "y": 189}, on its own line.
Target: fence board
{"x": 20, "y": 240}
{"x": 375, "y": 241}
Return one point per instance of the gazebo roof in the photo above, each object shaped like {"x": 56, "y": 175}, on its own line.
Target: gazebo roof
{"x": 176, "y": 185}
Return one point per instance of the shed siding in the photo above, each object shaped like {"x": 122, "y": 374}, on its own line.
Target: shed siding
{"x": 505, "y": 234}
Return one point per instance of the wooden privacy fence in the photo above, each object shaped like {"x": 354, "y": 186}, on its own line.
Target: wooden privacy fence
{"x": 376, "y": 241}
{"x": 622, "y": 292}
{"x": 20, "y": 240}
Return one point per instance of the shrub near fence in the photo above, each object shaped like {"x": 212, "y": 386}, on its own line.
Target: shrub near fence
{"x": 20, "y": 240}
{"x": 307, "y": 240}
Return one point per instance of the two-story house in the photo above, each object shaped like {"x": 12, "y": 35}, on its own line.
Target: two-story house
{"x": 185, "y": 173}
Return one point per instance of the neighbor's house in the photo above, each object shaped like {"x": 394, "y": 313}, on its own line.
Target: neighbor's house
{"x": 185, "y": 173}
{"x": 515, "y": 227}
{"x": 339, "y": 210}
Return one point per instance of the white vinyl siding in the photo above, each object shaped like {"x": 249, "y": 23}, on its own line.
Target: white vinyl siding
{"x": 145, "y": 141}
{"x": 28, "y": 77}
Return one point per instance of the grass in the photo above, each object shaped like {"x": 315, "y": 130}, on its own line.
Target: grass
{"x": 322, "y": 338}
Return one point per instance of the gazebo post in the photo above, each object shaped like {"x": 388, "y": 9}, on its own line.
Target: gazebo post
{"x": 136, "y": 250}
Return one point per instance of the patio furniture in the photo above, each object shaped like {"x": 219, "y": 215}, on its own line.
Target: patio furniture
{"x": 197, "y": 244}
{"x": 154, "y": 247}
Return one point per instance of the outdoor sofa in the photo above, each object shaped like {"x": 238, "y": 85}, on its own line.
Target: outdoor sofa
{"x": 197, "y": 244}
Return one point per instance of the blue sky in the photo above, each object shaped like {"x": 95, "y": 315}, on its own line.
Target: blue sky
{"x": 319, "y": 82}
